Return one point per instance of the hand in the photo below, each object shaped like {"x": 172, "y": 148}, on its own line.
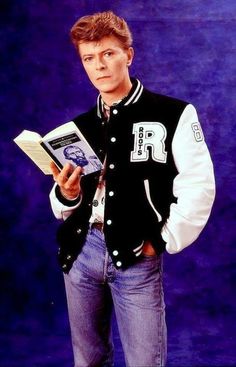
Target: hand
{"x": 148, "y": 249}
{"x": 68, "y": 179}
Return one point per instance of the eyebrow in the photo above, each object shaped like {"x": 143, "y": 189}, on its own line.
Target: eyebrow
{"x": 103, "y": 51}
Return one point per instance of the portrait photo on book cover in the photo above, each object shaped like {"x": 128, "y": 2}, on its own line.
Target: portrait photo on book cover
{"x": 77, "y": 157}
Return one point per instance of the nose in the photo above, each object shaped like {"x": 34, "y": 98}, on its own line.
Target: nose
{"x": 100, "y": 63}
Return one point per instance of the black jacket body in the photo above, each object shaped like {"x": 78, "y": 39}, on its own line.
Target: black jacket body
{"x": 142, "y": 189}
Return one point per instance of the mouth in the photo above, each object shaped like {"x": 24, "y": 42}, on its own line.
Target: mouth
{"x": 103, "y": 77}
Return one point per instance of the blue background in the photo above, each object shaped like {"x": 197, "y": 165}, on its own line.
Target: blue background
{"x": 184, "y": 49}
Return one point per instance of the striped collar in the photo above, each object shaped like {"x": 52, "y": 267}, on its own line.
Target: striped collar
{"x": 131, "y": 98}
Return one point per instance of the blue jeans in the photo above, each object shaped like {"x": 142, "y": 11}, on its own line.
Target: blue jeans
{"x": 94, "y": 287}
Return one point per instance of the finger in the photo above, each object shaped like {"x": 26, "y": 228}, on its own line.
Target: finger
{"x": 75, "y": 176}
{"x": 67, "y": 170}
{"x": 54, "y": 169}
{"x": 62, "y": 177}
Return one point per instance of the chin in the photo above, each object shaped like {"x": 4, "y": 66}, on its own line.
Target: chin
{"x": 105, "y": 87}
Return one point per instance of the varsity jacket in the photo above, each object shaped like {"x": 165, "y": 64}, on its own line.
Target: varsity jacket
{"x": 159, "y": 179}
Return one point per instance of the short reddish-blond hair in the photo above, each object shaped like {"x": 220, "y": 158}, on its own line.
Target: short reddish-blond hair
{"x": 96, "y": 26}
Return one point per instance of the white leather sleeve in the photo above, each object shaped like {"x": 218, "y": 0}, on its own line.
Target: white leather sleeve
{"x": 194, "y": 185}
{"x": 60, "y": 210}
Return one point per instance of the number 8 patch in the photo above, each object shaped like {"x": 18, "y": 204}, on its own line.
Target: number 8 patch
{"x": 198, "y": 135}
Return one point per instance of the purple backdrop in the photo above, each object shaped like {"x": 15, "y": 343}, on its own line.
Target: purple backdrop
{"x": 185, "y": 49}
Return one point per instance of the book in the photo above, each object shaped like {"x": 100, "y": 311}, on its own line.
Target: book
{"x": 63, "y": 144}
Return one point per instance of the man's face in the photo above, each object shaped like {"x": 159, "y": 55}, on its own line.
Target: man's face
{"x": 77, "y": 156}
{"x": 106, "y": 63}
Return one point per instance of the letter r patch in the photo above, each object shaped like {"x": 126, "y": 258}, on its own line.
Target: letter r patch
{"x": 149, "y": 134}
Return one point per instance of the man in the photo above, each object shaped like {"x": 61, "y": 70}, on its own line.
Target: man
{"x": 155, "y": 194}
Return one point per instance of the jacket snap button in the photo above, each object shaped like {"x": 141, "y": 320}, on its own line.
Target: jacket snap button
{"x": 119, "y": 263}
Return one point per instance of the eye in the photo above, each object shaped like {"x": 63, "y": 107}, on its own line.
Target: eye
{"x": 108, "y": 54}
{"x": 88, "y": 59}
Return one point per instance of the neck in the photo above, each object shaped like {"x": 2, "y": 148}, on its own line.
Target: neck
{"x": 113, "y": 96}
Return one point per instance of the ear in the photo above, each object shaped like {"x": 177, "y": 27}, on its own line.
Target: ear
{"x": 130, "y": 56}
